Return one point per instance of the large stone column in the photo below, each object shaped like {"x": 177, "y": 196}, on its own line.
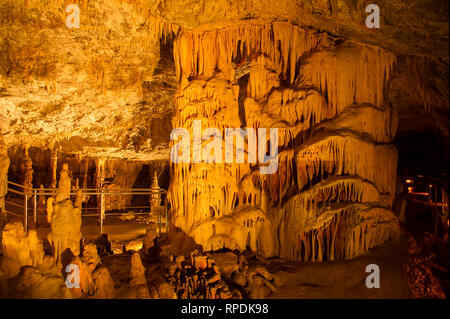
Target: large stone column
{"x": 331, "y": 194}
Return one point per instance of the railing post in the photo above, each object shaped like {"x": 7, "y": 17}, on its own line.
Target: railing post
{"x": 436, "y": 212}
{"x": 26, "y": 214}
{"x": 102, "y": 211}
{"x": 167, "y": 221}
{"x": 35, "y": 207}
{"x": 159, "y": 222}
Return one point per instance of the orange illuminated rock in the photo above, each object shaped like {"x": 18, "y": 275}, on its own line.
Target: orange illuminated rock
{"x": 65, "y": 219}
{"x": 331, "y": 195}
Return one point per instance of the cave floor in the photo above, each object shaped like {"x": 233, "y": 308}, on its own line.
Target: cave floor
{"x": 297, "y": 280}
{"x": 343, "y": 279}
{"x": 312, "y": 280}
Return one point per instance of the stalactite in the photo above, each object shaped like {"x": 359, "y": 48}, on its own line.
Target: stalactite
{"x": 420, "y": 84}
{"x": 348, "y": 76}
{"x": 347, "y": 154}
{"x": 343, "y": 232}
{"x": 156, "y": 25}
{"x": 202, "y": 52}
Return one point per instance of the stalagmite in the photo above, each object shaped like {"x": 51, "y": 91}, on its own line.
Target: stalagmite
{"x": 85, "y": 279}
{"x": 90, "y": 257}
{"x": 36, "y": 248}
{"x": 65, "y": 219}
{"x": 138, "y": 281}
{"x": 64, "y": 184}
{"x": 103, "y": 284}
{"x": 155, "y": 198}
{"x": 149, "y": 239}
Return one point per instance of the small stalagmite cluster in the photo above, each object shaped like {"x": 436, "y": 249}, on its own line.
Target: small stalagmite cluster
{"x": 95, "y": 280}
{"x": 332, "y": 193}
{"x": 25, "y": 269}
{"x": 201, "y": 277}
{"x": 198, "y": 278}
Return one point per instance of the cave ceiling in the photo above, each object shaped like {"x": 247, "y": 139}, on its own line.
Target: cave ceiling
{"x": 107, "y": 89}
{"x": 409, "y": 27}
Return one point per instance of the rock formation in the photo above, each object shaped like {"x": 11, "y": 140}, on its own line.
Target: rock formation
{"x": 15, "y": 244}
{"x": 32, "y": 274}
{"x": 103, "y": 284}
{"x": 64, "y": 184}
{"x": 331, "y": 195}
{"x": 94, "y": 279}
{"x": 150, "y": 239}
{"x": 90, "y": 256}
{"x": 200, "y": 277}
{"x": 65, "y": 219}
{"x": 32, "y": 283}
{"x": 104, "y": 245}
{"x": 36, "y": 248}
{"x": 155, "y": 198}
{"x": 138, "y": 281}
{"x": 19, "y": 249}
{"x": 86, "y": 283}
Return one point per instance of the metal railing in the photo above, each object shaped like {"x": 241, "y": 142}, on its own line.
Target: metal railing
{"x": 101, "y": 194}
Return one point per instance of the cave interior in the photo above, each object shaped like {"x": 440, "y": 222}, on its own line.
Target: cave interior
{"x": 214, "y": 149}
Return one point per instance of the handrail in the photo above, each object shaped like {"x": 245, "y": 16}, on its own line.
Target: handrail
{"x": 11, "y": 213}
{"x": 432, "y": 178}
{"x": 15, "y": 184}
{"x": 34, "y": 193}
{"x": 91, "y": 191}
{"x": 15, "y": 192}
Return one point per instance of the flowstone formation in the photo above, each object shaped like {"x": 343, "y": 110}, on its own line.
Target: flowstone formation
{"x": 331, "y": 195}
{"x": 64, "y": 218}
